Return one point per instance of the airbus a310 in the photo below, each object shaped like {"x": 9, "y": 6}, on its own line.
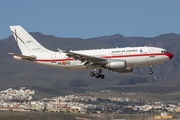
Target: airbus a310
{"x": 121, "y": 60}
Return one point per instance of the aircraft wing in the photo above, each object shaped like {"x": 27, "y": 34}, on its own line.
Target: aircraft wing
{"x": 91, "y": 60}
{"x": 87, "y": 59}
{"x": 23, "y": 57}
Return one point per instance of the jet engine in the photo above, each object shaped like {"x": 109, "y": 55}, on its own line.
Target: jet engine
{"x": 116, "y": 64}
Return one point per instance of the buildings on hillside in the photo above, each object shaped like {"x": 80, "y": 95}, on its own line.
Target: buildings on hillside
{"x": 22, "y": 100}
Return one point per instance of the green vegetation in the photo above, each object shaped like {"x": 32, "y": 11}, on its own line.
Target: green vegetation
{"x": 9, "y": 115}
{"x": 163, "y": 91}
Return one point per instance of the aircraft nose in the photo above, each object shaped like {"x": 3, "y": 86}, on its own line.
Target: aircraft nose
{"x": 170, "y": 55}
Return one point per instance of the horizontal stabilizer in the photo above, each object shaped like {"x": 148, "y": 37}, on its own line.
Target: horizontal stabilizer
{"x": 23, "y": 57}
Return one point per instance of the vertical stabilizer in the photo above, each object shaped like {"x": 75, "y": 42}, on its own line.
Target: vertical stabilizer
{"x": 26, "y": 42}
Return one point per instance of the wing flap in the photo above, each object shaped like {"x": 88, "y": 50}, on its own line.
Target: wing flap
{"x": 87, "y": 60}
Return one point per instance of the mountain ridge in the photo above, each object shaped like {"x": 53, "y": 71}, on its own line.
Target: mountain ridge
{"x": 13, "y": 72}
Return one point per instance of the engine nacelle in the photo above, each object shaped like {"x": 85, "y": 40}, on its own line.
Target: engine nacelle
{"x": 116, "y": 64}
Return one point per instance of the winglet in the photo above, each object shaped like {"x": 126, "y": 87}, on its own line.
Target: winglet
{"x": 62, "y": 51}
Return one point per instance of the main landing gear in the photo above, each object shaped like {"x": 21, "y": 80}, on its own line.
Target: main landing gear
{"x": 97, "y": 74}
{"x": 150, "y": 70}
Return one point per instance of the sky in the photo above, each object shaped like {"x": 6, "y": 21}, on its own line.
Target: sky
{"x": 91, "y": 18}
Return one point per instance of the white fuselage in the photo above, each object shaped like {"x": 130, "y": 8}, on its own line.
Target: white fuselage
{"x": 134, "y": 57}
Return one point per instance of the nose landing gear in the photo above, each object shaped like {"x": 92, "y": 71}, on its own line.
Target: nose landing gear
{"x": 150, "y": 70}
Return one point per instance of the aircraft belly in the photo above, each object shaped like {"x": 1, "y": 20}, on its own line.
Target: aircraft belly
{"x": 61, "y": 65}
{"x": 157, "y": 60}
{"x": 145, "y": 61}
{"x": 73, "y": 65}
{"x": 136, "y": 61}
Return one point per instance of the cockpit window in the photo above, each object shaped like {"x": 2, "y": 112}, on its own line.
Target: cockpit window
{"x": 163, "y": 51}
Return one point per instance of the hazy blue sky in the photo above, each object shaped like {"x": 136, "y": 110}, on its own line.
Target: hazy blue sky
{"x": 91, "y": 18}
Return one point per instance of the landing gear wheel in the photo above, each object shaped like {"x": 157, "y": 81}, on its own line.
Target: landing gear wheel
{"x": 92, "y": 74}
{"x": 97, "y": 75}
{"x": 150, "y": 72}
{"x": 102, "y": 76}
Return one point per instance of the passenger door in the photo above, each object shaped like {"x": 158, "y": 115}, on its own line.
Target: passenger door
{"x": 53, "y": 58}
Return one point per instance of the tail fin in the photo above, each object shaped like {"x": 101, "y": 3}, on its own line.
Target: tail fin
{"x": 26, "y": 42}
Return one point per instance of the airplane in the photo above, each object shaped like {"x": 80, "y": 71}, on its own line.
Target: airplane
{"x": 121, "y": 60}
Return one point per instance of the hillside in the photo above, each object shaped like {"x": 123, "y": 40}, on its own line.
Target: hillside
{"x": 15, "y": 73}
